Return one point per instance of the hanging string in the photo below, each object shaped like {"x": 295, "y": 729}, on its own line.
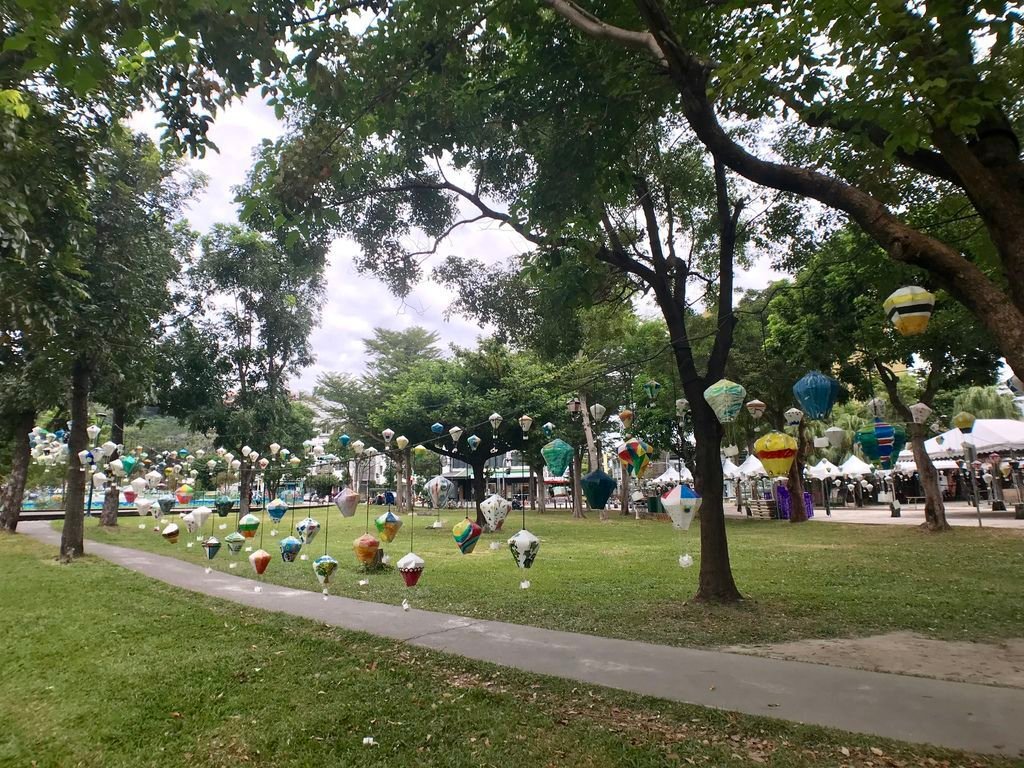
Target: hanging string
{"x": 327, "y": 525}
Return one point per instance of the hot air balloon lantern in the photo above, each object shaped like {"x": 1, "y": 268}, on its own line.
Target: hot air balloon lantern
{"x": 410, "y": 567}
{"x": 307, "y": 528}
{"x": 235, "y": 541}
{"x": 597, "y": 412}
{"x": 876, "y": 407}
{"x": 275, "y": 448}
{"x": 170, "y": 533}
{"x": 635, "y": 456}
{"x": 466, "y": 534}
{"x": 816, "y": 393}
{"x": 682, "y": 406}
{"x": 524, "y": 547}
{"x": 248, "y": 525}
{"x": 793, "y": 417}
{"x": 223, "y": 505}
{"x": 164, "y": 505}
{"x": 294, "y": 462}
{"x": 626, "y": 419}
{"x": 598, "y": 487}
{"x": 756, "y": 408}
{"x": 365, "y": 548}
{"x": 388, "y": 435}
{"x": 525, "y": 423}
{"x": 681, "y": 503}
{"x": 93, "y": 431}
{"x": 402, "y": 442}
{"x": 455, "y": 433}
{"x": 388, "y": 525}
{"x": 473, "y": 441}
{"x": 495, "y": 419}
{"x": 420, "y": 450}
{"x": 909, "y": 309}
{"x": 836, "y": 436}
{"x": 290, "y": 547}
{"x": 437, "y": 428}
{"x": 211, "y": 546}
{"x": 277, "y": 510}
{"x": 358, "y": 446}
{"x": 725, "y": 398}
{"x": 259, "y": 560}
{"x": 964, "y": 421}
{"x": 574, "y": 406}
{"x": 881, "y": 441}
{"x": 346, "y": 501}
{"x": 438, "y": 488}
{"x": 324, "y": 568}
{"x": 651, "y": 389}
{"x": 264, "y": 463}
{"x": 557, "y": 455}
{"x": 495, "y": 509}
{"x": 548, "y": 429}
{"x": 184, "y": 494}
{"x": 920, "y": 412}
{"x": 776, "y": 451}
{"x": 128, "y": 463}
{"x": 1016, "y": 386}
{"x": 344, "y": 440}
{"x": 201, "y": 515}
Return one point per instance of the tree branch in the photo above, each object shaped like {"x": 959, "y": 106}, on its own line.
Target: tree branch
{"x": 592, "y": 26}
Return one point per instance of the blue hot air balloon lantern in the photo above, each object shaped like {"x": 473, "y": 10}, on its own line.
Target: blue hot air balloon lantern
{"x": 344, "y": 440}
{"x": 816, "y": 394}
{"x": 437, "y": 428}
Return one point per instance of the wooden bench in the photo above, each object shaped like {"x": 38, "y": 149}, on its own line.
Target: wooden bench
{"x": 763, "y": 509}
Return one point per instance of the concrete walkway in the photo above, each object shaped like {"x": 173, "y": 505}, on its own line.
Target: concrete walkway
{"x": 959, "y": 715}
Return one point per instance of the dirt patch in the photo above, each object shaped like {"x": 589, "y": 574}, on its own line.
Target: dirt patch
{"x": 906, "y": 653}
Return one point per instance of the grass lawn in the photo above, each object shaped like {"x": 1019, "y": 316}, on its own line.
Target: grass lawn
{"x": 622, "y": 579}
{"x": 103, "y": 667}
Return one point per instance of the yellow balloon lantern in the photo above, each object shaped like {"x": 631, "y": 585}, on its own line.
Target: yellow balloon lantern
{"x": 776, "y": 451}
{"x": 909, "y": 309}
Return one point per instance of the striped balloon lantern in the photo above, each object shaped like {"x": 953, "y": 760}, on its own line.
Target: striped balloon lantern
{"x": 776, "y": 451}
{"x": 909, "y": 309}
{"x": 726, "y": 399}
{"x": 466, "y": 534}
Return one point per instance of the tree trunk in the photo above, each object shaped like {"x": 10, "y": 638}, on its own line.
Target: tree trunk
{"x": 591, "y": 443}
{"x": 577, "y": 489}
{"x": 14, "y": 491}
{"x": 541, "y": 489}
{"x": 72, "y": 538}
{"x": 532, "y": 490}
{"x": 716, "y": 583}
{"x": 797, "y": 510}
{"x": 245, "y": 475}
{"x": 934, "y": 508}
{"x": 479, "y": 491}
{"x": 108, "y": 517}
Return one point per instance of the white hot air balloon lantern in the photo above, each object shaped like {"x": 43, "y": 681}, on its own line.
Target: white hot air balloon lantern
{"x": 682, "y": 406}
{"x": 275, "y": 448}
{"x": 525, "y": 422}
{"x": 388, "y": 435}
{"x": 920, "y": 412}
{"x": 495, "y": 419}
{"x": 793, "y": 417}
{"x": 876, "y": 407}
{"x": 93, "y": 431}
{"x": 455, "y": 433}
{"x": 246, "y": 450}
{"x": 597, "y": 412}
{"x": 358, "y": 446}
{"x": 402, "y": 442}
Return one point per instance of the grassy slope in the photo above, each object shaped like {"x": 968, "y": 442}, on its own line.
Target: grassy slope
{"x": 622, "y": 579}
{"x": 103, "y": 667}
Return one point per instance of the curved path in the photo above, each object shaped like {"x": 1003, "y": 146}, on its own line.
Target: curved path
{"x": 963, "y": 716}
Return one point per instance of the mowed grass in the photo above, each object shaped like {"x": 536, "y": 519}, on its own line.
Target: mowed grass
{"x": 621, "y": 578}
{"x": 104, "y": 667}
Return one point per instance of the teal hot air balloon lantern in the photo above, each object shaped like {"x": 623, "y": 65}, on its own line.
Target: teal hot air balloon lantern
{"x": 437, "y": 428}
{"x": 816, "y": 394}
{"x": 548, "y": 429}
{"x": 651, "y": 389}
{"x": 557, "y": 455}
{"x": 344, "y": 440}
{"x": 473, "y": 442}
{"x": 598, "y": 487}
{"x": 726, "y": 399}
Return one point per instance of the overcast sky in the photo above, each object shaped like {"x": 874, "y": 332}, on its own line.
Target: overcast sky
{"x": 355, "y": 303}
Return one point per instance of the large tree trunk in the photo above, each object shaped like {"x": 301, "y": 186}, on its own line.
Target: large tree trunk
{"x": 577, "y": 489}
{"x": 108, "y": 517}
{"x": 797, "y": 510}
{"x": 589, "y": 432}
{"x": 479, "y": 491}
{"x": 72, "y": 538}
{"x": 14, "y": 491}
{"x": 716, "y": 583}
{"x": 934, "y": 508}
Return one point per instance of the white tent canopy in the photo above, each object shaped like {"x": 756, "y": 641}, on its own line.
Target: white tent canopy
{"x": 672, "y": 475}
{"x": 823, "y": 469}
{"x": 730, "y": 470}
{"x": 988, "y": 435}
{"x": 911, "y": 466}
{"x": 752, "y": 467}
{"x": 855, "y": 466}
